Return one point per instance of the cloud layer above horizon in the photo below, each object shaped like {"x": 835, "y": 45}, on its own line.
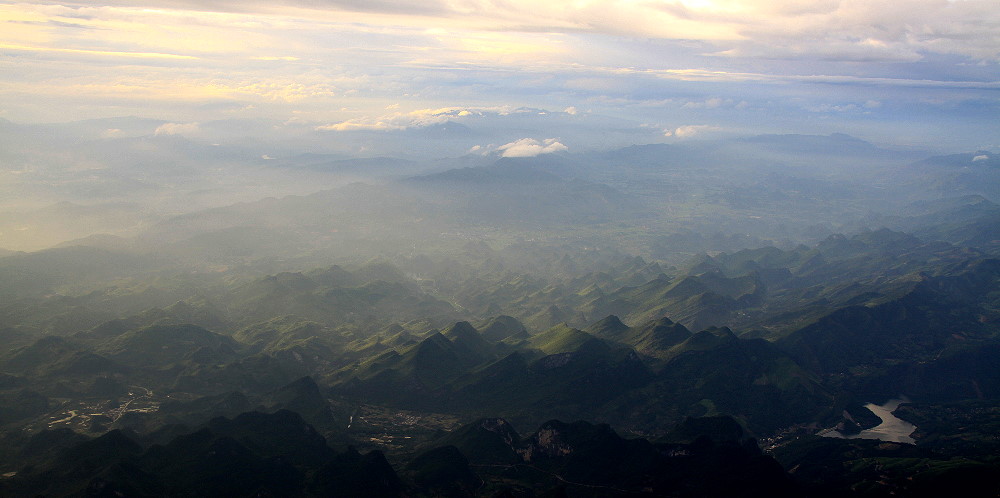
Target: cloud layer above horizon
{"x": 904, "y": 72}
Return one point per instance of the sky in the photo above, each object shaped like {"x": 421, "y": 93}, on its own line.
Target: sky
{"x": 554, "y": 76}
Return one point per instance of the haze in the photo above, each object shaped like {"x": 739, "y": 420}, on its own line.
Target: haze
{"x": 142, "y": 110}
{"x": 480, "y": 248}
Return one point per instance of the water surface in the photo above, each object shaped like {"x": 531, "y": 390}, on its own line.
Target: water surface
{"x": 892, "y": 428}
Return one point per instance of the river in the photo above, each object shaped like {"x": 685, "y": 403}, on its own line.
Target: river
{"x": 891, "y": 429}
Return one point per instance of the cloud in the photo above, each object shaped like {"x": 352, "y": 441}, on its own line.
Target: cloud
{"x": 903, "y": 30}
{"x": 177, "y": 129}
{"x": 711, "y": 103}
{"x": 821, "y": 108}
{"x": 420, "y": 118}
{"x": 856, "y": 30}
{"x": 361, "y": 125}
{"x": 109, "y": 53}
{"x": 689, "y": 131}
{"x": 781, "y": 77}
{"x": 837, "y": 29}
{"x": 529, "y": 147}
{"x": 337, "y": 64}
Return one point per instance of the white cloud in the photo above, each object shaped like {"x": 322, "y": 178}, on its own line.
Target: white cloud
{"x": 688, "y": 131}
{"x": 824, "y": 108}
{"x": 695, "y": 75}
{"x": 859, "y": 30}
{"x": 529, "y": 147}
{"x": 711, "y": 103}
{"x": 420, "y": 118}
{"x": 343, "y": 64}
{"x": 176, "y": 129}
{"x": 361, "y": 125}
{"x": 522, "y": 30}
